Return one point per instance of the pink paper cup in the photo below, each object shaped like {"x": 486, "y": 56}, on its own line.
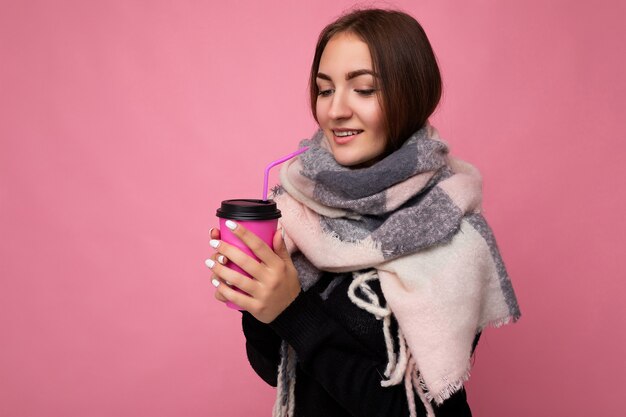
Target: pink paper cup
{"x": 258, "y": 216}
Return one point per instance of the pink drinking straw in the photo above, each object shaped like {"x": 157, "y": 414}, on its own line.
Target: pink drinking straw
{"x": 276, "y": 162}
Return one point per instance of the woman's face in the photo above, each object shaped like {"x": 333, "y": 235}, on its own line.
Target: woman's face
{"x": 348, "y": 110}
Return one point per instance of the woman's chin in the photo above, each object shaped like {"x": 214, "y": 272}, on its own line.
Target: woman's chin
{"x": 354, "y": 161}
{"x": 347, "y": 161}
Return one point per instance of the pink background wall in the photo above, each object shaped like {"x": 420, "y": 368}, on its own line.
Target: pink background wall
{"x": 121, "y": 123}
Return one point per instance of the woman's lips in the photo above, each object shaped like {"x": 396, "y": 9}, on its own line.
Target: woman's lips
{"x": 342, "y": 140}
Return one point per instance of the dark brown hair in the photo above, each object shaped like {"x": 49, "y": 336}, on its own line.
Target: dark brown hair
{"x": 409, "y": 80}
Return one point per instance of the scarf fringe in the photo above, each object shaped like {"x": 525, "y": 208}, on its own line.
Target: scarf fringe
{"x": 501, "y": 322}
{"x": 284, "y": 405}
{"x": 412, "y": 381}
{"x": 447, "y": 391}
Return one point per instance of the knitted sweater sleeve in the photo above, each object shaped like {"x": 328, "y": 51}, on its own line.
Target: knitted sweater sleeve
{"x": 346, "y": 369}
{"x": 262, "y": 348}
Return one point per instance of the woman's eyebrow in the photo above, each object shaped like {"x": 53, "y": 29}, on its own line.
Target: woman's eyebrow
{"x": 349, "y": 76}
{"x": 357, "y": 73}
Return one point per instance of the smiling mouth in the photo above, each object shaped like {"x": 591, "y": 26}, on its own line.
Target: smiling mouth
{"x": 346, "y": 133}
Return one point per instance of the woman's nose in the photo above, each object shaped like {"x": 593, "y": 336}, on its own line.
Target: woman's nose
{"x": 339, "y": 108}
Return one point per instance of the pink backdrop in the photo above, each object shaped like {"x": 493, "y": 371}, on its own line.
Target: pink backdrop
{"x": 124, "y": 123}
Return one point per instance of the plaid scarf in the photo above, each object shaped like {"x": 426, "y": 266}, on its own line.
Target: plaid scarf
{"x": 411, "y": 220}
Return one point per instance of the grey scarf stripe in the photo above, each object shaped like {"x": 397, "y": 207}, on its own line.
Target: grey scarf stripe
{"x": 480, "y": 224}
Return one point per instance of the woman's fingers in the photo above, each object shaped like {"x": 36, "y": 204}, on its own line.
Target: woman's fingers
{"x": 218, "y": 295}
{"x": 280, "y": 248}
{"x": 214, "y": 233}
{"x": 233, "y": 278}
{"x": 237, "y": 256}
{"x": 219, "y": 258}
{"x": 261, "y": 249}
{"x": 225, "y": 293}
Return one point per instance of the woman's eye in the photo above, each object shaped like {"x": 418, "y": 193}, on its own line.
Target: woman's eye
{"x": 366, "y": 92}
{"x": 325, "y": 93}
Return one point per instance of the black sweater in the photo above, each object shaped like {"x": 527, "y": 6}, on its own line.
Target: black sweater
{"x": 341, "y": 356}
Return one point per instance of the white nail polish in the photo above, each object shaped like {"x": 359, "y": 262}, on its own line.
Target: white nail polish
{"x": 231, "y": 224}
{"x": 221, "y": 259}
{"x": 210, "y": 263}
{"x": 214, "y": 243}
{"x": 215, "y": 282}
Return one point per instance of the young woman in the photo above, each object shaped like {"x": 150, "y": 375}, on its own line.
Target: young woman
{"x": 384, "y": 273}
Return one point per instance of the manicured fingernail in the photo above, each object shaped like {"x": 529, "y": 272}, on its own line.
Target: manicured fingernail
{"x": 210, "y": 263}
{"x": 211, "y": 231}
{"x": 282, "y": 232}
{"x": 221, "y": 259}
{"x": 231, "y": 224}
{"x": 215, "y": 282}
{"x": 214, "y": 243}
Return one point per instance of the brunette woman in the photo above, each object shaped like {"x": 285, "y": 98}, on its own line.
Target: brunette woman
{"x": 384, "y": 273}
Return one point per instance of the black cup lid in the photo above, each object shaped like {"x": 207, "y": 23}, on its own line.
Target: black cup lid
{"x": 248, "y": 209}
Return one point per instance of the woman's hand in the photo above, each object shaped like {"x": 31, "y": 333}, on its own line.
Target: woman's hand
{"x": 215, "y": 234}
{"x": 275, "y": 284}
